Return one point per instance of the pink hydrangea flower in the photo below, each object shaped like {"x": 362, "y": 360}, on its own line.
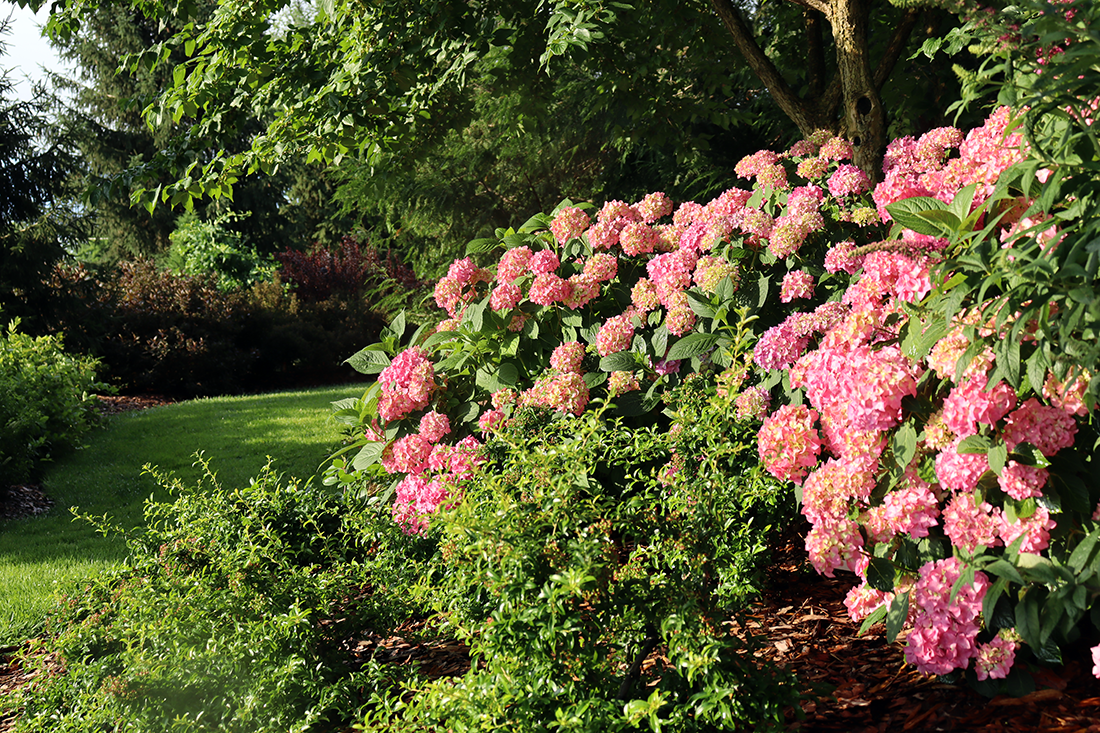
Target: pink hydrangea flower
{"x": 407, "y": 385}
{"x": 837, "y": 149}
{"x": 788, "y": 442}
{"x": 753, "y": 403}
{"x": 1047, "y": 428}
{"x": 548, "y": 289}
{"x": 582, "y": 291}
{"x": 465, "y": 457}
{"x": 1021, "y": 482}
{"x": 1069, "y": 399}
{"x": 505, "y": 296}
{"x": 751, "y": 165}
{"x": 491, "y": 421}
{"x": 513, "y": 264}
{"x": 813, "y": 168}
{"x": 644, "y": 295}
{"x": 568, "y": 357}
{"x": 1036, "y": 529}
{"x": 836, "y": 544}
{"x": 654, "y": 206}
{"x": 969, "y": 404}
{"x": 621, "y": 383}
{"x": 601, "y": 267}
{"x": 960, "y": 471}
{"x": 911, "y": 510}
{"x": 781, "y": 345}
{"x": 544, "y": 261}
{"x": 615, "y": 335}
{"x": 995, "y": 658}
{"x": 839, "y": 258}
{"x": 434, "y": 425}
{"x": 797, "y": 284}
{"x": 410, "y": 454}
{"x": 569, "y": 223}
{"x": 969, "y": 524}
{"x": 618, "y": 210}
{"x": 564, "y": 391}
{"x": 863, "y": 600}
{"x": 829, "y": 489}
{"x": 848, "y": 180}
{"x": 681, "y": 318}
{"x": 464, "y": 271}
{"x": 1096, "y": 661}
{"x": 944, "y": 631}
{"x": 637, "y": 238}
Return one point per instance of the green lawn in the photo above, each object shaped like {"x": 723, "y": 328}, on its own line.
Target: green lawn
{"x": 41, "y": 555}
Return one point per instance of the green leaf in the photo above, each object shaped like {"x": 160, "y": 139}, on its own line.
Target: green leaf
{"x": 911, "y": 213}
{"x": 1081, "y": 556}
{"x": 508, "y": 374}
{"x": 997, "y": 457}
{"x": 397, "y": 326}
{"x": 621, "y": 362}
{"x": 481, "y": 246}
{"x": 989, "y": 602}
{"x": 905, "y": 445}
{"x": 368, "y": 456}
{"x": 876, "y": 616}
{"x": 700, "y": 305}
{"x": 880, "y": 574}
{"x": 692, "y": 345}
{"x": 974, "y": 444}
{"x": 369, "y": 360}
{"x": 895, "y": 618}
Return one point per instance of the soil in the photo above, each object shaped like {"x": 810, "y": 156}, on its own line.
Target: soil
{"x": 859, "y": 684}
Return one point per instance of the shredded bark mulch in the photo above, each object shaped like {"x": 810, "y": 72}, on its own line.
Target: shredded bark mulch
{"x": 115, "y": 404}
{"x": 23, "y": 500}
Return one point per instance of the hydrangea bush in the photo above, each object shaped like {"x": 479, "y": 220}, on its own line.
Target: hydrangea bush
{"x": 940, "y": 472}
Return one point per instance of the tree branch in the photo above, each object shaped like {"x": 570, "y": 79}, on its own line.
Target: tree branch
{"x": 763, "y": 67}
{"x": 818, "y": 5}
{"x": 897, "y": 44}
{"x": 815, "y": 52}
{"x": 650, "y": 643}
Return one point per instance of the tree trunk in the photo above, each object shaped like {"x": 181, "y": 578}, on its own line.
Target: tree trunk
{"x": 864, "y": 117}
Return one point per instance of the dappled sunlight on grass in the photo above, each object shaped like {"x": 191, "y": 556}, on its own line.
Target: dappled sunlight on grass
{"x": 237, "y": 434}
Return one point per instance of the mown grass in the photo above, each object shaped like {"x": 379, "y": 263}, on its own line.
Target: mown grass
{"x": 43, "y": 555}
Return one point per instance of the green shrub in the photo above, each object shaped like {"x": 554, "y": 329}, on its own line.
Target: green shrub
{"x": 225, "y": 617}
{"x": 44, "y": 401}
{"x": 595, "y": 586}
{"x": 210, "y": 249}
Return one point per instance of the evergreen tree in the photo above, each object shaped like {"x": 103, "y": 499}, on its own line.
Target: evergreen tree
{"x": 36, "y": 224}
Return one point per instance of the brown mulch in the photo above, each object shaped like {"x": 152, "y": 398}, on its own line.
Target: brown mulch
{"x": 859, "y": 684}
{"x": 115, "y": 404}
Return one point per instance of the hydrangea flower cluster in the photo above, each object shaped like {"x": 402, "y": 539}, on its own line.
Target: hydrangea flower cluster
{"x": 856, "y": 381}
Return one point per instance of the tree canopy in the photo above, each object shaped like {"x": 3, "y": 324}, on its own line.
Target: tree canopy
{"x": 348, "y": 79}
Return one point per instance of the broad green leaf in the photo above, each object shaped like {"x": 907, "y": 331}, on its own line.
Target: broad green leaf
{"x": 369, "y": 360}
{"x": 905, "y": 445}
{"x": 368, "y": 456}
{"x": 1082, "y": 554}
{"x": 974, "y": 444}
{"x": 896, "y": 616}
{"x": 997, "y": 457}
{"x": 481, "y": 246}
{"x": 692, "y": 345}
{"x": 621, "y": 362}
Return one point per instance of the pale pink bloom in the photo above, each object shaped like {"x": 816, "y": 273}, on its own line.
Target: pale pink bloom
{"x": 863, "y": 600}
{"x": 960, "y": 471}
{"x": 544, "y": 261}
{"x": 788, "y": 442}
{"x": 797, "y": 284}
{"x": 995, "y": 658}
{"x": 615, "y": 335}
{"x": 753, "y": 403}
{"x": 568, "y": 357}
{"x": 1022, "y": 482}
{"x": 505, "y": 296}
{"x": 654, "y": 206}
{"x": 944, "y": 631}
{"x": 836, "y": 544}
{"x": 569, "y": 223}
{"x": 434, "y": 425}
{"x": 513, "y": 264}
{"x": 1036, "y": 529}
{"x": 621, "y": 383}
{"x": 1047, "y": 428}
{"x": 601, "y": 267}
{"x": 969, "y": 404}
{"x": 969, "y": 524}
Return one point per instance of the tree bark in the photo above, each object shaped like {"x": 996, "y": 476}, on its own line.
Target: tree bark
{"x": 864, "y": 117}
